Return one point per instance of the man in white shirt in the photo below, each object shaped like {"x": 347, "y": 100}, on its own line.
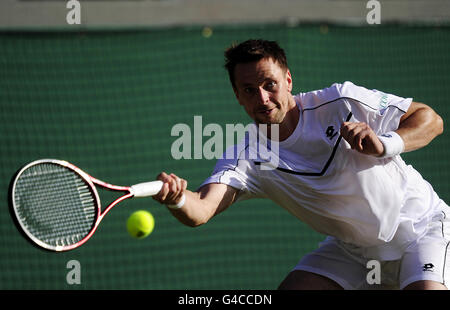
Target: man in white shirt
{"x": 338, "y": 169}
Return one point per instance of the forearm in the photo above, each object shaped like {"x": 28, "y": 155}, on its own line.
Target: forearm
{"x": 194, "y": 212}
{"x": 420, "y": 127}
{"x": 198, "y": 206}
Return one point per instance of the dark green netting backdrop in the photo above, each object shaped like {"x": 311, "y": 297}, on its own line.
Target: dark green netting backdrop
{"x": 107, "y": 101}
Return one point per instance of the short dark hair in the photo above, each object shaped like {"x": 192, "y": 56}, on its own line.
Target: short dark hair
{"x": 253, "y": 50}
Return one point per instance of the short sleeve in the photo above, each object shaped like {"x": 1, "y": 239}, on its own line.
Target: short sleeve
{"x": 381, "y": 111}
{"x": 239, "y": 173}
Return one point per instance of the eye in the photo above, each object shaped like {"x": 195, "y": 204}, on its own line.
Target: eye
{"x": 271, "y": 85}
{"x": 249, "y": 90}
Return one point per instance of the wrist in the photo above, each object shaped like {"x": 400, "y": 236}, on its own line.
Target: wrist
{"x": 178, "y": 205}
{"x": 393, "y": 144}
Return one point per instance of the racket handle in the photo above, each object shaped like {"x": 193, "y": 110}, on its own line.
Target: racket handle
{"x": 146, "y": 189}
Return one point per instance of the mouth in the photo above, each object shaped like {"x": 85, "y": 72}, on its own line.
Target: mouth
{"x": 266, "y": 111}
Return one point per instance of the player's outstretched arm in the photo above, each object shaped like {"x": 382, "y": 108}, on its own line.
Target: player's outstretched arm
{"x": 199, "y": 206}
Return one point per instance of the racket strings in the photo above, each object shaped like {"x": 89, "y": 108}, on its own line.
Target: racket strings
{"x": 55, "y": 204}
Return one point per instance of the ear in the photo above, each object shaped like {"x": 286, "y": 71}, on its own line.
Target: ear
{"x": 289, "y": 80}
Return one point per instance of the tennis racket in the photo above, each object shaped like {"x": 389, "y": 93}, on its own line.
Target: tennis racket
{"x": 57, "y": 206}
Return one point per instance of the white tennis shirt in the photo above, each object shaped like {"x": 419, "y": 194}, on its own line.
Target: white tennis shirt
{"x": 378, "y": 205}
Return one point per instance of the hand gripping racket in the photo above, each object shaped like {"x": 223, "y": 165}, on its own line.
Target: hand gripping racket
{"x": 57, "y": 205}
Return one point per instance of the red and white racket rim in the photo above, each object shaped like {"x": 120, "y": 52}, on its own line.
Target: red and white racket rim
{"x": 89, "y": 181}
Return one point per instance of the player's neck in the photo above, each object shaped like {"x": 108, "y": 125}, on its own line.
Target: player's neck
{"x": 290, "y": 121}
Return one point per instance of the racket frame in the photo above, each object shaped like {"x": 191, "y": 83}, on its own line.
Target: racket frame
{"x": 91, "y": 182}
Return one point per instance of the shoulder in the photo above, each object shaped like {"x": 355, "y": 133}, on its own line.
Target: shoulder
{"x": 337, "y": 91}
{"x": 236, "y": 154}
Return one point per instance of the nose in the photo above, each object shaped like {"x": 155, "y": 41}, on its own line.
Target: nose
{"x": 263, "y": 96}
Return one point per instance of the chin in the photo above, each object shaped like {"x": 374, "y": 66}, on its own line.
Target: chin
{"x": 275, "y": 119}
{"x": 268, "y": 122}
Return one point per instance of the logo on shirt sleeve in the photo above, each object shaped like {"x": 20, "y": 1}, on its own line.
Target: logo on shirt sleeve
{"x": 383, "y": 104}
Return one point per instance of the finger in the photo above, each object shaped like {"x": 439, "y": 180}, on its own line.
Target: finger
{"x": 177, "y": 180}
{"x": 359, "y": 141}
{"x": 366, "y": 137}
{"x": 172, "y": 187}
{"x": 352, "y": 135}
{"x": 182, "y": 189}
{"x": 360, "y": 138}
{"x": 366, "y": 142}
{"x": 166, "y": 192}
{"x": 357, "y": 135}
{"x": 162, "y": 195}
{"x": 163, "y": 177}
{"x": 348, "y": 125}
{"x": 183, "y": 185}
{"x": 346, "y": 128}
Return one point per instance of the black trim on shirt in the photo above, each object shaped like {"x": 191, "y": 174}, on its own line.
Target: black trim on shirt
{"x": 322, "y": 104}
{"x": 324, "y": 169}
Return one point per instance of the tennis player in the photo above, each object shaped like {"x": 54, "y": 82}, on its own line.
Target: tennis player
{"x": 339, "y": 170}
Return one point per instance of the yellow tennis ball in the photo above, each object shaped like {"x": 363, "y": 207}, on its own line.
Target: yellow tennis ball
{"x": 140, "y": 224}
{"x": 207, "y": 32}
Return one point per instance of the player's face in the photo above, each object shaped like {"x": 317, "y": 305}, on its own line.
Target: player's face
{"x": 263, "y": 88}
